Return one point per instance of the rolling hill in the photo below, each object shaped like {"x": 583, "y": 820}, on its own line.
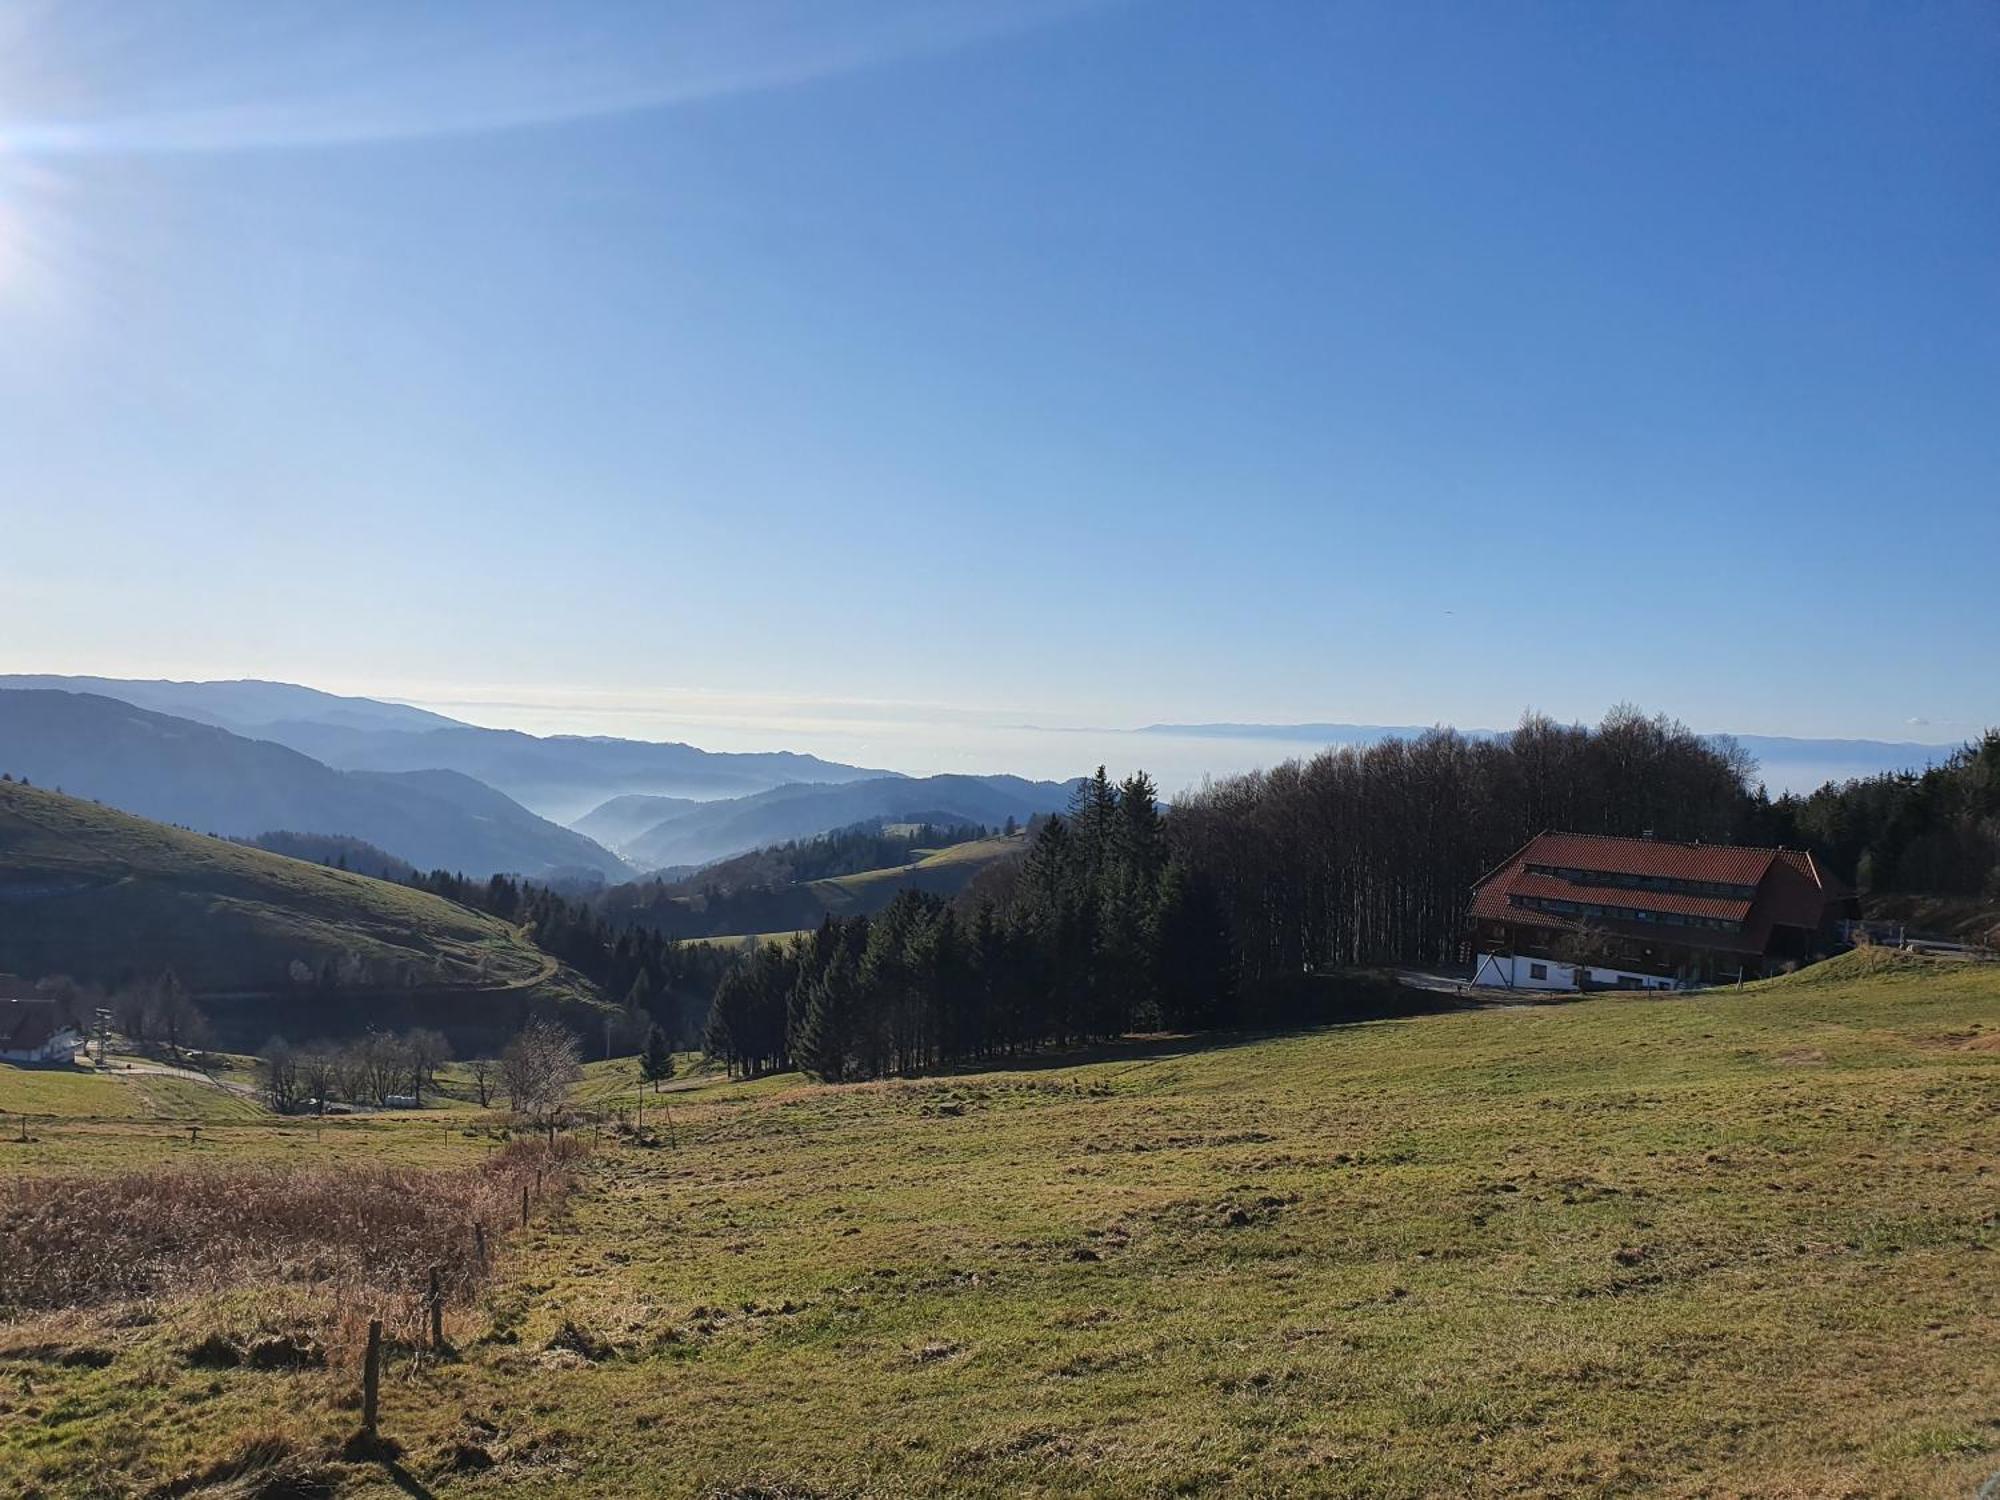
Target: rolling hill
{"x": 687, "y": 910}
{"x": 941, "y": 872}
{"x": 206, "y": 777}
{"x": 622, "y": 819}
{"x": 718, "y": 829}
{"x": 264, "y": 942}
{"x": 561, "y": 777}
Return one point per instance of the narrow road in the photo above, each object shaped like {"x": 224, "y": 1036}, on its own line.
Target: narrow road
{"x": 147, "y": 1066}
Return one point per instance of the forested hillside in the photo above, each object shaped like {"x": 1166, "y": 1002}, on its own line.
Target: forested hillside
{"x": 1936, "y": 833}
{"x": 799, "y": 883}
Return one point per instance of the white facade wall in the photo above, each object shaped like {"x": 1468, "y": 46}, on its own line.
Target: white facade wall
{"x": 1519, "y": 972}
{"x": 59, "y": 1048}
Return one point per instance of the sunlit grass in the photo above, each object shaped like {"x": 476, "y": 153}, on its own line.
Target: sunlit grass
{"x": 1732, "y": 1243}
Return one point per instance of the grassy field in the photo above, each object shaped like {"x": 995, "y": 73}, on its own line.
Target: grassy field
{"x": 745, "y": 939}
{"x": 1739, "y": 1243}
{"x": 49, "y": 1094}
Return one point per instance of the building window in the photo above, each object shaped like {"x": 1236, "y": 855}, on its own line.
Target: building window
{"x": 1538, "y": 971}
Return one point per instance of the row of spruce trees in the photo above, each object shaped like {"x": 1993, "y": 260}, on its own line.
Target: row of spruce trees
{"x": 1098, "y": 932}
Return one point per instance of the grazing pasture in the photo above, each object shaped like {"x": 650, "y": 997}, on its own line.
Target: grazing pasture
{"x": 1740, "y": 1242}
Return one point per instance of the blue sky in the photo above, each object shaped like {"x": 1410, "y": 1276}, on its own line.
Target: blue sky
{"x": 618, "y": 366}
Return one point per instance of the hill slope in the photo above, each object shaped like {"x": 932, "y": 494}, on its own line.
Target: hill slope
{"x": 103, "y": 896}
{"x": 685, "y": 910}
{"x": 616, "y": 822}
{"x": 719, "y": 829}
{"x": 1734, "y": 1243}
{"x": 941, "y": 872}
{"x": 205, "y": 777}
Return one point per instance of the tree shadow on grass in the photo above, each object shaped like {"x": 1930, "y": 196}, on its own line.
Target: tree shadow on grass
{"x": 405, "y": 1481}
{"x": 1312, "y": 1003}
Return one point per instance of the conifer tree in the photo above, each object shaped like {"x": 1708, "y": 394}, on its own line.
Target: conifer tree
{"x": 639, "y": 998}
{"x": 656, "y": 1063}
{"x": 1140, "y": 841}
{"x": 826, "y": 1040}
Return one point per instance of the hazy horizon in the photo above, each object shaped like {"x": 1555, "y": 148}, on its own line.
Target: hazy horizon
{"x": 921, "y": 739}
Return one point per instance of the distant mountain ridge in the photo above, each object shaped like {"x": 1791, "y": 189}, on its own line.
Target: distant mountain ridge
{"x": 566, "y": 776}
{"x": 560, "y": 777}
{"x": 242, "y": 704}
{"x": 177, "y": 770}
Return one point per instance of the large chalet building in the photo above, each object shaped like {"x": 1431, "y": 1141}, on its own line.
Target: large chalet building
{"x": 1572, "y": 911}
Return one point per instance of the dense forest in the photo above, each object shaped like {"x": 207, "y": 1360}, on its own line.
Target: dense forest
{"x": 1935, "y": 833}
{"x": 1367, "y": 855}
{"x": 1098, "y": 931}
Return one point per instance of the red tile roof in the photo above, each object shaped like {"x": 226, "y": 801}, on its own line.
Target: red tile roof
{"x": 1724, "y": 907}
{"x": 1725, "y": 864}
{"x": 1789, "y": 888}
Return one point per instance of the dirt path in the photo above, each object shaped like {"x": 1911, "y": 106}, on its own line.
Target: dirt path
{"x": 146, "y": 1067}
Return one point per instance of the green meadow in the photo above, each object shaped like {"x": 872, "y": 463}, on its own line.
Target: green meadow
{"x": 1735, "y": 1243}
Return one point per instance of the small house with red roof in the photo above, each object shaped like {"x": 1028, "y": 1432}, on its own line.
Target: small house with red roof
{"x": 32, "y": 1027}
{"x": 1572, "y": 911}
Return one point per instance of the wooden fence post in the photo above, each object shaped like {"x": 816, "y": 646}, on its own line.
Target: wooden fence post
{"x": 524, "y": 1205}
{"x": 437, "y": 1310}
{"x": 371, "y": 1378}
{"x": 479, "y": 1243}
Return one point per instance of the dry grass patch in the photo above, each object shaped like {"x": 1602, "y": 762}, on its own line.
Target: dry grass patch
{"x": 86, "y": 1241}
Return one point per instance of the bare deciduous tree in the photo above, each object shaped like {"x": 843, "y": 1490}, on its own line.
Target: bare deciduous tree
{"x": 320, "y": 1075}
{"x": 282, "y": 1076}
{"x": 427, "y": 1051}
{"x": 485, "y": 1073}
{"x": 539, "y": 1068}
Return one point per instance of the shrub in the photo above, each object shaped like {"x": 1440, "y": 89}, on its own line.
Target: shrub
{"x": 82, "y": 1241}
